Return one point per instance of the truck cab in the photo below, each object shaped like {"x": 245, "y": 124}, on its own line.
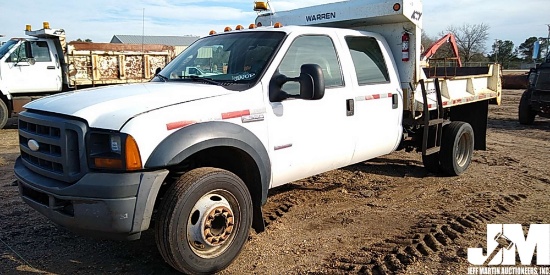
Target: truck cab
{"x": 536, "y": 99}
{"x": 30, "y": 65}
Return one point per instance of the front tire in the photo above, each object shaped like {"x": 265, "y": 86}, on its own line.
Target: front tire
{"x": 457, "y": 148}
{"x": 4, "y": 114}
{"x": 525, "y": 114}
{"x": 204, "y": 221}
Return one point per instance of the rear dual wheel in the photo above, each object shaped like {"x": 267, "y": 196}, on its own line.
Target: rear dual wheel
{"x": 204, "y": 221}
{"x": 457, "y": 149}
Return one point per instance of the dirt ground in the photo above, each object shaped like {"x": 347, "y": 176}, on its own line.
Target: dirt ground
{"x": 386, "y": 215}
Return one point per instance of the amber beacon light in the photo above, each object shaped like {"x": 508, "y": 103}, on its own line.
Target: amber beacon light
{"x": 260, "y": 6}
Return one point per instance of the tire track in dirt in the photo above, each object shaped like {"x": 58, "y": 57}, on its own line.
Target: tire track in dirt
{"x": 276, "y": 209}
{"x": 284, "y": 198}
{"x": 427, "y": 238}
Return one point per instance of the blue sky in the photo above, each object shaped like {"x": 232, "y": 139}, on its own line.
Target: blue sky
{"x": 99, "y": 20}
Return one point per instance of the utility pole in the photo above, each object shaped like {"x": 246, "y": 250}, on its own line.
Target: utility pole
{"x": 496, "y": 50}
{"x": 143, "y": 31}
{"x": 547, "y": 42}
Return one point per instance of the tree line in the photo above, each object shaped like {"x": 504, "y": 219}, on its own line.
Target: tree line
{"x": 472, "y": 40}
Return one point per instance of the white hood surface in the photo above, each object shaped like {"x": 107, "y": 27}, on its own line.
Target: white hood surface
{"x": 110, "y": 107}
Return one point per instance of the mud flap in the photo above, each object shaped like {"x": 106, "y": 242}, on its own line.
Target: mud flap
{"x": 258, "y": 219}
{"x": 476, "y": 115}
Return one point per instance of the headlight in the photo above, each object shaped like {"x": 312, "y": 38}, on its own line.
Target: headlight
{"x": 113, "y": 151}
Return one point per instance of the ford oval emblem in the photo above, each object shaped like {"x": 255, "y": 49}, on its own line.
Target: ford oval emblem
{"x": 33, "y": 145}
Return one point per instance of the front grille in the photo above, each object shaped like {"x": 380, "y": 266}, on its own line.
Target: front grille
{"x": 52, "y": 146}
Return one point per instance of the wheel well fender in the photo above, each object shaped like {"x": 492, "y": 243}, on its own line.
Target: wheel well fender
{"x": 476, "y": 114}
{"x": 196, "y": 138}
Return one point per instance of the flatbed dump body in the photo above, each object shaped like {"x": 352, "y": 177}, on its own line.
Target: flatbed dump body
{"x": 108, "y": 63}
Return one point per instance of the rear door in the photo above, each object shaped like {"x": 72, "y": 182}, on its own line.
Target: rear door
{"x": 377, "y": 97}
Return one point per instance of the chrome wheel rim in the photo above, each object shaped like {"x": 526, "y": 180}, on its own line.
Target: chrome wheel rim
{"x": 463, "y": 151}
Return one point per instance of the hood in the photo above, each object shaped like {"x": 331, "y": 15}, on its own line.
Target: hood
{"x": 110, "y": 107}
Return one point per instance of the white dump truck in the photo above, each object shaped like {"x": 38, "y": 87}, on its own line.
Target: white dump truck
{"x": 197, "y": 155}
{"x": 44, "y": 64}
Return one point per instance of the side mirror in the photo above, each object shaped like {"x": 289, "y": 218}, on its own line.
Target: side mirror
{"x": 312, "y": 84}
{"x": 28, "y": 50}
{"x": 157, "y": 71}
{"x": 28, "y": 53}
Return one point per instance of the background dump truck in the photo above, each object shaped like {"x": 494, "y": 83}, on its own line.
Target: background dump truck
{"x": 197, "y": 155}
{"x": 44, "y": 64}
{"x": 536, "y": 99}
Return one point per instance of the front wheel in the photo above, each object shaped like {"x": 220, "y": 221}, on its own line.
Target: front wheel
{"x": 457, "y": 148}
{"x": 525, "y": 114}
{"x": 204, "y": 221}
{"x": 4, "y": 114}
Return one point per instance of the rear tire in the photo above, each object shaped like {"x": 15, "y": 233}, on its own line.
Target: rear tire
{"x": 525, "y": 114}
{"x": 4, "y": 114}
{"x": 457, "y": 148}
{"x": 204, "y": 221}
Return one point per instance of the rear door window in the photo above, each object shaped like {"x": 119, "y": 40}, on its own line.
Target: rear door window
{"x": 368, "y": 59}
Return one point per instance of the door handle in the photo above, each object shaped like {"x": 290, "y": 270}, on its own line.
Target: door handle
{"x": 350, "y": 108}
{"x": 50, "y": 67}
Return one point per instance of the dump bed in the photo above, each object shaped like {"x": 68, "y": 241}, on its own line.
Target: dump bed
{"x": 392, "y": 19}
{"x": 87, "y": 63}
{"x": 109, "y": 63}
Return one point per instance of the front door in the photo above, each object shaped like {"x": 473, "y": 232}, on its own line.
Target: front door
{"x": 43, "y": 75}
{"x": 307, "y": 137}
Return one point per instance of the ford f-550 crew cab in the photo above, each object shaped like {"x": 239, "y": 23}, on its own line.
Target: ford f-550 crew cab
{"x": 198, "y": 154}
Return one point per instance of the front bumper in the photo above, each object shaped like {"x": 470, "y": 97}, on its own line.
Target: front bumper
{"x": 104, "y": 205}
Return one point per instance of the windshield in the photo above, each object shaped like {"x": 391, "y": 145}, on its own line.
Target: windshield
{"x": 7, "y": 46}
{"x": 226, "y": 58}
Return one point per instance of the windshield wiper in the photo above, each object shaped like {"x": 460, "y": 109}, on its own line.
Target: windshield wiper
{"x": 207, "y": 80}
{"x": 164, "y": 78}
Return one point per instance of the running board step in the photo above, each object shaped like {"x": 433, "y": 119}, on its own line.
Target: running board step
{"x": 436, "y": 121}
{"x": 432, "y": 150}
